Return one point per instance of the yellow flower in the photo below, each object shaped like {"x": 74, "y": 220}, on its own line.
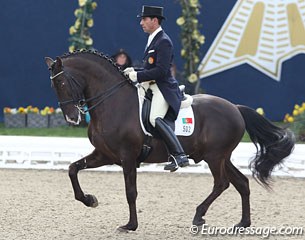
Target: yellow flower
{"x": 78, "y": 12}
{"x": 260, "y": 111}
{"x": 35, "y": 110}
{"x": 43, "y": 113}
{"x": 290, "y": 119}
{"x": 296, "y": 106}
{"x": 71, "y": 48}
{"x": 196, "y": 35}
{"x": 82, "y": 2}
{"x": 295, "y": 112}
{"x": 201, "y": 39}
{"x": 193, "y": 3}
{"x": 196, "y": 59}
{"x": 21, "y": 110}
{"x": 72, "y": 30}
{"x": 94, "y": 5}
{"x": 89, "y": 41}
{"x": 192, "y": 78}
{"x": 183, "y": 52}
{"x": 77, "y": 24}
{"x": 303, "y": 105}
{"x": 195, "y": 21}
{"x": 90, "y": 22}
{"x": 29, "y": 108}
{"x": 301, "y": 110}
{"x": 180, "y": 21}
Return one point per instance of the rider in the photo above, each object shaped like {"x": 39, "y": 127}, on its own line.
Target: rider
{"x": 158, "y": 58}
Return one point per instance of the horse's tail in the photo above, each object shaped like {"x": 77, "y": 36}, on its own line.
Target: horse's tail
{"x": 275, "y": 143}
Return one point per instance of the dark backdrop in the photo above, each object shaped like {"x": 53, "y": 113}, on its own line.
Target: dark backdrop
{"x": 31, "y": 30}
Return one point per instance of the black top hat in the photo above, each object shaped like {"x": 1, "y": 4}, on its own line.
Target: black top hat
{"x": 152, "y": 11}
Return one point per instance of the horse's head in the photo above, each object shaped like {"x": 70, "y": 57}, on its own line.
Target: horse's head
{"x": 68, "y": 90}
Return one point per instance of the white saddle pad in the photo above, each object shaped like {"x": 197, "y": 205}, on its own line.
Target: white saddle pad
{"x": 185, "y": 122}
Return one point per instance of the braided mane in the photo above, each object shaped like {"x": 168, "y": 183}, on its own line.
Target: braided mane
{"x": 95, "y": 53}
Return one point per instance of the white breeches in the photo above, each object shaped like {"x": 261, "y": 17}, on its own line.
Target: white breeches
{"x": 159, "y": 106}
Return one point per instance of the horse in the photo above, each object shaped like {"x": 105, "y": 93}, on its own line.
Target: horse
{"x": 92, "y": 79}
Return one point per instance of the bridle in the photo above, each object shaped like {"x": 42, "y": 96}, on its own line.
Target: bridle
{"x": 79, "y": 100}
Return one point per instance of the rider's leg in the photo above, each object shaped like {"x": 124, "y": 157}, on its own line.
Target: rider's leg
{"x": 159, "y": 108}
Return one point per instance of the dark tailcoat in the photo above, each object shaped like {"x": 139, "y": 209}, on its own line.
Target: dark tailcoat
{"x": 158, "y": 58}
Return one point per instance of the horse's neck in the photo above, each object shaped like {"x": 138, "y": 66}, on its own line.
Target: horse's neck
{"x": 117, "y": 104}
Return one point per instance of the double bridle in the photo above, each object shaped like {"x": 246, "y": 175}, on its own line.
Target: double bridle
{"x": 79, "y": 101}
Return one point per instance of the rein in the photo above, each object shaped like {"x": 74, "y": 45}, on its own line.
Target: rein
{"x": 103, "y": 96}
{"x": 81, "y": 102}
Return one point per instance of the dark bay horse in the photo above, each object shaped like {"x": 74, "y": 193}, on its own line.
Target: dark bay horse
{"x": 92, "y": 79}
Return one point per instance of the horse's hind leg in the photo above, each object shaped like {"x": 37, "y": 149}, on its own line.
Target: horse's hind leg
{"x": 93, "y": 160}
{"x": 241, "y": 183}
{"x": 221, "y": 183}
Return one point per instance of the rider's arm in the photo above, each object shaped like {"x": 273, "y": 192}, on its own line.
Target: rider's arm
{"x": 163, "y": 58}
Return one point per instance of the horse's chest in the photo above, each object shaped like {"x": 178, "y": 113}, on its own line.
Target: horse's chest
{"x": 101, "y": 140}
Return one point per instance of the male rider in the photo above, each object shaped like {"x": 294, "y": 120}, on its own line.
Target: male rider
{"x": 158, "y": 58}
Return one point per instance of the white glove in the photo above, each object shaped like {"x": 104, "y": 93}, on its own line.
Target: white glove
{"x": 128, "y": 70}
{"x": 133, "y": 76}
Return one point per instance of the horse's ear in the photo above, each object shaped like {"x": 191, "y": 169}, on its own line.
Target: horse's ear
{"x": 59, "y": 62}
{"x": 49, "y": 62}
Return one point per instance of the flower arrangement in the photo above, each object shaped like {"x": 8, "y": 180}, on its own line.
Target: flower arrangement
{"x": 191, "y": 39}
{"x": 15, "y": 117}
{"x": 31, "y": 109}
{"x": 20, "y": 110}
{"x": 297, "y": 121}
{"x": 33, "y": 117}
{"x": 80, "y": 35}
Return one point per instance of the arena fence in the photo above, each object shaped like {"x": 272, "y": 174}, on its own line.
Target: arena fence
{"x": 58, "y": 152}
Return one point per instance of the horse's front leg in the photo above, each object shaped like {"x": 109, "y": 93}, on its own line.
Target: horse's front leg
{"x": 93, "y": 160}
{"x": 130, "y": 176}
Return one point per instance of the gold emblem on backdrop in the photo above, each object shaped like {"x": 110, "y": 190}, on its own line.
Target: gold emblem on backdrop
{"x": 261, "y": 33}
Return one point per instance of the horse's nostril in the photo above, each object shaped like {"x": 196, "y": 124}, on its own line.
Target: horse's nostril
{"x": 74, "y": 120}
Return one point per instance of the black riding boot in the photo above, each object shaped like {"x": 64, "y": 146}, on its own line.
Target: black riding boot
{"x": 173, "y": 145}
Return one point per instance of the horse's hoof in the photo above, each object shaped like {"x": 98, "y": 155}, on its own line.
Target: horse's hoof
{"x": 242, "y": 225}
{"x": 198, "y": 222}
{"x": 92, "y": 200}
{"x": 126, "y": 228}
{"x": 122, "y": 229}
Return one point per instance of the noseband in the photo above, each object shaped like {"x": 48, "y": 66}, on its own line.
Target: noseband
{"x": 79, "y": 101}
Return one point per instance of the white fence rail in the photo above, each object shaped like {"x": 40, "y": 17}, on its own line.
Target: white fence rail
{"x": 57, "y": 153}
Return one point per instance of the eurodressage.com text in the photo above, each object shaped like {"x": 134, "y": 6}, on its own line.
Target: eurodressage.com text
{"x": 264, "y": 232}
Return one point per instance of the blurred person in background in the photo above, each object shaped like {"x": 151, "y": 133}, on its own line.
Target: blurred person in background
{"x": 122, "y": 59}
